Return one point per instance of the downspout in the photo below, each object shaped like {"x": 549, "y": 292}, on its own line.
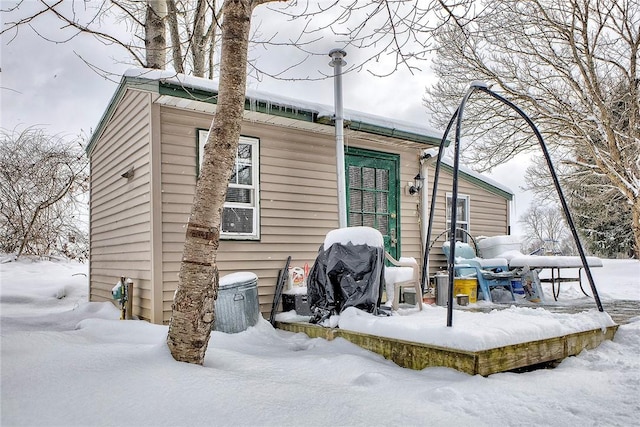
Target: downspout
{"x": 428, "y": 156}
{"x": 424, "y": 203}
{"x": 337, "y": 62}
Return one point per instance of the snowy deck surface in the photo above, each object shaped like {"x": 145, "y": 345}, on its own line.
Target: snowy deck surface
{"x": 471, "y": 331}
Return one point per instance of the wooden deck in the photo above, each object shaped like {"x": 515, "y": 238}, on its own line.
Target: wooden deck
{"x": 486, "y": 362}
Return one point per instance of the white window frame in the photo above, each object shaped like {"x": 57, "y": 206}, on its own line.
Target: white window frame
{"x": 254, "y": 186}
{"x": 466, "y": 222}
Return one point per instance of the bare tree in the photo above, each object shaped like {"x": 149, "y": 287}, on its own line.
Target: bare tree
{"x": 155, "y": 39}
{"x": 571, "y": 65}
{"x": 546, "y": 230}
{"x": 140, "y": 30}
{"x": 381, "y": 31}
{"x": 600, "y": 211}
{"x": 193, "y": 307}
{"x": 40, "y": 176}
{"x": 602, "y": 217}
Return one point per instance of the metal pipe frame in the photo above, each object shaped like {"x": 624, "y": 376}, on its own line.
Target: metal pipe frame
{"x": 457, "y": 117}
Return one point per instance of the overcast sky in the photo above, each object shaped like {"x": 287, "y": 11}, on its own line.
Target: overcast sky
{"x": 48, "y": 85}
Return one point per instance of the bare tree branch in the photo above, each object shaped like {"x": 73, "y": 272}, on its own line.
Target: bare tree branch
{"x": 572, "y": 66}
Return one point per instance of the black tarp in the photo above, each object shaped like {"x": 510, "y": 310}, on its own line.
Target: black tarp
{"x": 345, "y": 275}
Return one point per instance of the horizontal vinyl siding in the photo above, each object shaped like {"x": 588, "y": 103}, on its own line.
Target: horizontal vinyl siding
{"x": 178, "y": 133}
{"x": 119, "y": 207}
{"x": 298, "y": 202}
{"x": 411, "y": 245}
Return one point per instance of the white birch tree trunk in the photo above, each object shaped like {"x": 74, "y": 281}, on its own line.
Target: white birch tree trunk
{"x": 155, "y": 34}
{"x": 194, "y": 301}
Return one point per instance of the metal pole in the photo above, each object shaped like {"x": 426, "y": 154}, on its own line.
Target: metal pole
{"x": 458, "y": 114}
{"x": 128, "y": 285}
{"x": 337, "y": 62}
{"x": 556, "y": 183}
{"x": 454, "y": 204}
{"x": 432, "y": 209}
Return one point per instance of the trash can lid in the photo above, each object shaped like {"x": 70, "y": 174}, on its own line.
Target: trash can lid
{"x": 237, "y": 279}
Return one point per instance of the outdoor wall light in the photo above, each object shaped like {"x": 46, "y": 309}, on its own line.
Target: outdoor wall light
{"x": 417, "y": 185}
{"x": 128, "y": 174}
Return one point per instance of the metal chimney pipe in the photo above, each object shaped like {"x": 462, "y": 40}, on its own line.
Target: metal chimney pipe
{"x": 337, "y": 62}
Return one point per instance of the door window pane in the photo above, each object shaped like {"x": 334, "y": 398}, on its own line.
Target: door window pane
{"x": 382, "y": 202}
{"x": 355, "y": 219}
{"x": 383, "y": 224}
{"x": 369, "y": 202}
{"x": 368, "y": 220}
{"x": 355, "y": 177}
{"x": 369, "y": 178}
{"x": 382, "y": 179}
{"x": 355, "y": 200}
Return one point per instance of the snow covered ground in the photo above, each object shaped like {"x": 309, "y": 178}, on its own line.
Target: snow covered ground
{"x": 67, "y": 362}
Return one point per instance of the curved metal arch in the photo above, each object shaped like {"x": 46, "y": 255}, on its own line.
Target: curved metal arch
{"x": 473, "y": 239}
{"x": 457, "y": 116}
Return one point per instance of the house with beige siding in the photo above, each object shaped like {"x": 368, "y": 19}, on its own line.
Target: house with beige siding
{"x": 282, "y": 197}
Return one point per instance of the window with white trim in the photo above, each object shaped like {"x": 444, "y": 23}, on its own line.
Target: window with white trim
{"x": 241, "y": 214}
{"x": 462, "y": 216}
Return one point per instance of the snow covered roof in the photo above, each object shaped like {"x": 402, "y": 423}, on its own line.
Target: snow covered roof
{"x": 200, "y": 94}
{"x": 255, "y": 96}
{"x": 480, "y": 179}
{"x": 197, "y": 93}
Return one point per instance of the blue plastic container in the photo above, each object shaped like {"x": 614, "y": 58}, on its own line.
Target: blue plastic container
{"x": 516, "y": 284}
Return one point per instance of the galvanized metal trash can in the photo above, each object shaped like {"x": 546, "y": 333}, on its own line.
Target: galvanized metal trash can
{"x": 442, "y": 289}
{"x": 237, "y": 305}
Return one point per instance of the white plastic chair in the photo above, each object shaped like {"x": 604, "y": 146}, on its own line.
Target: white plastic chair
{"x": 404, "y": 273}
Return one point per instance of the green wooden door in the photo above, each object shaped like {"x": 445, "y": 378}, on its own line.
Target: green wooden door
{"x": 372, "y": 193}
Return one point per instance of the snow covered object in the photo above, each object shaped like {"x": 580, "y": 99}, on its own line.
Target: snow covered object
{"x": 348, "y": 272}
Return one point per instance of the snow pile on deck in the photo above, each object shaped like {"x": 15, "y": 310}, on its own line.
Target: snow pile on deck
{"x": 473, "y": 331}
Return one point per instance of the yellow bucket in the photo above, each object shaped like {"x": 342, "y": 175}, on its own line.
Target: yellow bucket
{"x": 467, "y": 287}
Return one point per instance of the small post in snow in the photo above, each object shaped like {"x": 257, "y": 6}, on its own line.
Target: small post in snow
{"x": 337, "y": 62}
